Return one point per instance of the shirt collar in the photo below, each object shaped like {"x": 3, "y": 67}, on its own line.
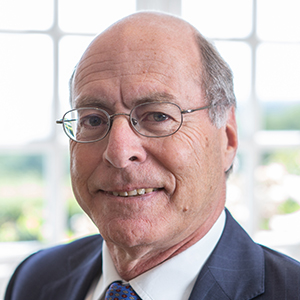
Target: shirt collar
{"x": 165, "y": 281}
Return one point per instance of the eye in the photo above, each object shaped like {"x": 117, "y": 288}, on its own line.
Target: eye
{"x": 155, "y": 116}
{"x": 159, "y": 117}
{"x": 92, "y": 121}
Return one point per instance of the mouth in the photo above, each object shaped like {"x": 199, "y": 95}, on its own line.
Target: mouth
{"x": 133, "y": 193}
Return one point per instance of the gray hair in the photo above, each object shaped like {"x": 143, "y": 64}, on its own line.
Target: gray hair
{"x": 216, "y": 81}
{"x": 71, "y": 86}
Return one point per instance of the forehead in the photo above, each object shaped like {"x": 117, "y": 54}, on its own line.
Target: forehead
{"x": 135, "y": 60}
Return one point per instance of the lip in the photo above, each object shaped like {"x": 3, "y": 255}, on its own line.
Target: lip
{"x": 132, "y": 193}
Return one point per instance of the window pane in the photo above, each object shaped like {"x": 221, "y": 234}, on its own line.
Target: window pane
{"x": 219, "y": 18}
{"x": 278, "y": 180}
{"x": 238, "y": 56}
{"x": 281, "y": 115}
{"x": 26, "y": 77}
{"x": 278, "y": 20}
{"x": 26, "y": 15}
{"x": 78, "y": 223}
{"x": 277, "y": 194}
{"x": 278, "y": 72}
{"x": 70, "y": 50}
{"x": 92, "y": 16}
{"x": 237, "y": 199}
{"x": 22, "y": 193}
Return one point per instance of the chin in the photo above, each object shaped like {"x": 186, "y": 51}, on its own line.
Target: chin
{"x": 130, "y": 233}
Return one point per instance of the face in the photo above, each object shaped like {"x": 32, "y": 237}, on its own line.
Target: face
{"x": 183, "y": 174}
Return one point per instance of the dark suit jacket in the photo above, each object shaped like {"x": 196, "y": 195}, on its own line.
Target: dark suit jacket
{"x": 237, "y": 269}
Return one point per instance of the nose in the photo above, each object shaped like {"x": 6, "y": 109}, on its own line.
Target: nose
{"x": 124, "y": 146}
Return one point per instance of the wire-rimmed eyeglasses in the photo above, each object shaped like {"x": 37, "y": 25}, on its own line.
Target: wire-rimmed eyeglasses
{"x": 150, "y": 119}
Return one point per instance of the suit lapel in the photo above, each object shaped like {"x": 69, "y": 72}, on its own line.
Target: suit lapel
{"x": 207, "y": 288}
{"x": 235, "y": 269}
{"x": 82, "y": 268}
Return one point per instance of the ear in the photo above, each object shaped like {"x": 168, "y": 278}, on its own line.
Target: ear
{"x": 230, "y": 140}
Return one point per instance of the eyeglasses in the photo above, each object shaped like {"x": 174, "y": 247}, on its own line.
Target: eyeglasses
{"x": 150, "y": 119}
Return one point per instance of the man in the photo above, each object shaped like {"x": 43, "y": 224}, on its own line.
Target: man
{"x": 153, "y": 137}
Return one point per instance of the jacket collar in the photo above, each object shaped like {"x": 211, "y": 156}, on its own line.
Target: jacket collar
{"x": 235, "y": 269}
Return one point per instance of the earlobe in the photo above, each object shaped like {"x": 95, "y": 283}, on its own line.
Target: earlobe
{"x": 231, "y": 139}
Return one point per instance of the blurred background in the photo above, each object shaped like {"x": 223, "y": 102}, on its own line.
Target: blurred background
{"x": 40, "y": 43}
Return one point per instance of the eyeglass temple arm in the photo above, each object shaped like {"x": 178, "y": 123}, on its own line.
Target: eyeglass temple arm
{"x": 61, "y": 121}
{"x": 192, "y": 110}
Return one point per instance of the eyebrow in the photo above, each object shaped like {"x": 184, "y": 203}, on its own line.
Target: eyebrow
{"x": 104, "y": 104}
{"x": 91, "y": 102}
{"x": 155, "y": 97}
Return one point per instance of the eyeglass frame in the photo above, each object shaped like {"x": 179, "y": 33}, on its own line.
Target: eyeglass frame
{"x": 110, "y": 119}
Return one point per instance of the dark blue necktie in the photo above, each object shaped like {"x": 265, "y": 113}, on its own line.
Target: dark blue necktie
{"x": 118, "y": 291}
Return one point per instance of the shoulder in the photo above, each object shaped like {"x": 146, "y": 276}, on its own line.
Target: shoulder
{"x": 269, "y": 273}
{"x": 280, "y": 266}
{"x": 282, "y": 276}
{"x": 58, "y": 256}
{"x": 275, "y": 262}
{"x": 55, "y": 263}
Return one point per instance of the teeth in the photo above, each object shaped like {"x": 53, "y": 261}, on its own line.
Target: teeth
{"x": 134, "y": 192}
{"x": 141, "y": 191}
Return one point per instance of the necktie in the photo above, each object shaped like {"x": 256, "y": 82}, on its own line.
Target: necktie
{"x": 118, "y": 291}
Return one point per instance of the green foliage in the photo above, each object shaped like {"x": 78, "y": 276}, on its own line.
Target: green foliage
{"x": 73, "y": 207}
{"x": 289, "y": 158}
{"x": 282, "y": 116}
{"x": 264, "y": 224}
{"x": 18, "y": 164}
{"x": 21, "y": 203}
{"x": 289, "y": 206}
{"x": 20, "y": 219}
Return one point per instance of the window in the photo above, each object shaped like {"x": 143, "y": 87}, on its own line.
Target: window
{"x": 41, "y": 41}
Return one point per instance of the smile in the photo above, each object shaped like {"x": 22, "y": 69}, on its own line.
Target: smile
{"x": 137, "y": 192}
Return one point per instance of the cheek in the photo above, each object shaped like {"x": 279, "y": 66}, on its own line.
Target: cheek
{"x": 82, "y": 166}
{"x": 84, "y": 160}
{"x": 196, "y": 165}
{"x": 185, "y": 155}
{"x": 77, "y": 168}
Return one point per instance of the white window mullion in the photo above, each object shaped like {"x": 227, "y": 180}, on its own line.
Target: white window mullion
{"x": 56, "y": 219}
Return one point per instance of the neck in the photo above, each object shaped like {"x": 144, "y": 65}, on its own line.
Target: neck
{"x": 134, "y": 261}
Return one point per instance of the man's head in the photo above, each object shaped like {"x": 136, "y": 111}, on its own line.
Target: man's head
{"x": 215, "y": 78}
{"x": 150, "y": 57}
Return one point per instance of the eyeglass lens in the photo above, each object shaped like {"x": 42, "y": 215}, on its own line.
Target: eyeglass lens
{"x": 148, "y": 119}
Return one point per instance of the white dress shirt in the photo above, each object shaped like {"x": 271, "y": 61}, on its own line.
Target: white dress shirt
{"x": 174, "y": 279}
